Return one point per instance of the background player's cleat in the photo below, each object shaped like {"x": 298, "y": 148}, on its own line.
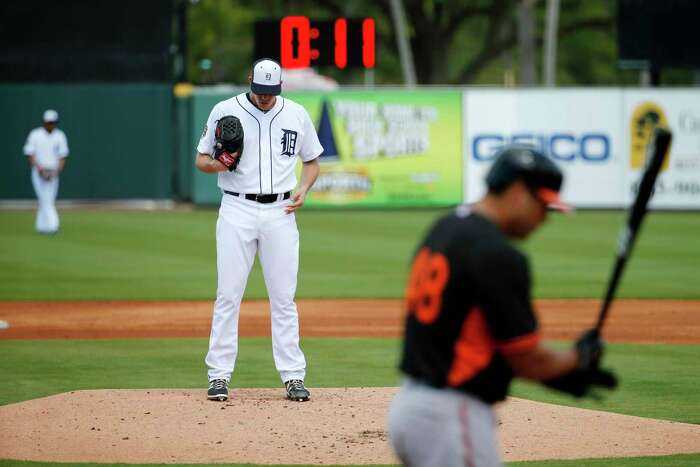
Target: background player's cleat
{"x": 296, "y": 390}
{"x": 218, "y": 390}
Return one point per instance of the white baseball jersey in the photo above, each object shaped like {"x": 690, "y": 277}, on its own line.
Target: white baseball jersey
{"x": 273, "y": 140}
{"x": 47, "y": 148}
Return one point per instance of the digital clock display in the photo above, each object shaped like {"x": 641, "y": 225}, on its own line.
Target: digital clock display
{"x": 298, "y": 42}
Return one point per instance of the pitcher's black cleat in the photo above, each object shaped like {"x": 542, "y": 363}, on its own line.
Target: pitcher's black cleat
{"x": 218, "y": 390}
{"x": 296, "y": 390}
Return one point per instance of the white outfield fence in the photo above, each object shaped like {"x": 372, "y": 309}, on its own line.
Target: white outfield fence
{"x": 597, "y": 136}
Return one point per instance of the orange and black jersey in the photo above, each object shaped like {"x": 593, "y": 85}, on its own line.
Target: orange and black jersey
{"x": 468, "y": 303}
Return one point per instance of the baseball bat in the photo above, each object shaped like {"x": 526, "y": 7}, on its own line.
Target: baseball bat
{"x": 656, "y": 152}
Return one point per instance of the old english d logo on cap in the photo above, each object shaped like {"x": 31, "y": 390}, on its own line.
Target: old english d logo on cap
{"x": 267, "y": 77}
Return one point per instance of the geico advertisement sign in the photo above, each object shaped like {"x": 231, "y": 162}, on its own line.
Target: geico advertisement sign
{"x": 591, "y": 173}
{"x": 560, "y": 146}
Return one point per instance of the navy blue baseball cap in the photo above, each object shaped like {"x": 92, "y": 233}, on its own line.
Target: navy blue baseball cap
{"x": 527, "y": 163}
{"x": 267, "y": 77}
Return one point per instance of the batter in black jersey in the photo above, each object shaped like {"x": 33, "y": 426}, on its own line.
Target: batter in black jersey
{"x": 470, "y": 326}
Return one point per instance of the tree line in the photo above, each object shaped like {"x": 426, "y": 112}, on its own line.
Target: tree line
{"x": 467, "y": 42}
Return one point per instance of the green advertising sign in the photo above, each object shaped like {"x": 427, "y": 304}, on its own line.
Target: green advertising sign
{"x": 383, "y": 148}
{"x": 387, "y": 148}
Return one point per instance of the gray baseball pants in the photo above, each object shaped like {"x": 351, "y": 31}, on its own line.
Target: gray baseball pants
{"x": 432, "y": 427}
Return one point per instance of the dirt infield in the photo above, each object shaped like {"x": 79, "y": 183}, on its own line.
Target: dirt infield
{"x": 338, "y": 426}
{"x": 348, "y": 425}
{"x": 644, "y": 321}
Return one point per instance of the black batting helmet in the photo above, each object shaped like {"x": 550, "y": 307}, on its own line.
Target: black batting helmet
{"x": 527, "y": 163}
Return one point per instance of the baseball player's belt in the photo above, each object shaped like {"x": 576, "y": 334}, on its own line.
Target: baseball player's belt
{"x": 260, "y": 198}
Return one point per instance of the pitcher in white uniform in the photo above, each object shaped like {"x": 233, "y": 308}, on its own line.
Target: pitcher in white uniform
{"x": 257, "y": 216}
{"x": 46, "y": 149}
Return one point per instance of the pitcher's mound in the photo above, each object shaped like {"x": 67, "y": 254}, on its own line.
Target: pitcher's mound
{"x": 259, "y": 426}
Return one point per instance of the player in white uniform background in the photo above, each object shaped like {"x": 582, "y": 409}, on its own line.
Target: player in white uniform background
{"x": 257, "y": 216}
{"x": 46, "y": 149}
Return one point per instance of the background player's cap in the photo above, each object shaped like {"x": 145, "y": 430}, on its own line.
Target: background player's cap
{"x": 50, "y": 116}
{"x": 526, "y": 163}
{"x": 267, "y": 77}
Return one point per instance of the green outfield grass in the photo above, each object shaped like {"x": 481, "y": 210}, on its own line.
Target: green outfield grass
{"x": 163, "y": 255}
{"x": 658, "y": 381}
{"x": 681, "y": 460}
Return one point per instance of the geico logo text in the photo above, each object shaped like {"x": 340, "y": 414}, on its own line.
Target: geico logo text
{"x": 592, "y": 147}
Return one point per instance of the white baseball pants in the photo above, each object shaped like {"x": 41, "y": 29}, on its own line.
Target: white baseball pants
{"x": 46, "y": 192}
{"x": 243, "y": 229}
{"x": 432, "y": 427}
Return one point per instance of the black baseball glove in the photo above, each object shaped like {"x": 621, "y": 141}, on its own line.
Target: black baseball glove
{"x": 229, "y": 141}
{"x": 47, "y": 174}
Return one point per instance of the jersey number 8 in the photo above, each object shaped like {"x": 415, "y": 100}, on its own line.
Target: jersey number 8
{"x": 428, "y": 279}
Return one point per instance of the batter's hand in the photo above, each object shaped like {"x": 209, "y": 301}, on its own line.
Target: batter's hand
{"x": 581, "y": 383}
{"x": 297, "y": 201}
{"x": 590, "y": 348}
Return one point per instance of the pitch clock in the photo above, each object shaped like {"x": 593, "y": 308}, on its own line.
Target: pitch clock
{"x": 299, "y": 42}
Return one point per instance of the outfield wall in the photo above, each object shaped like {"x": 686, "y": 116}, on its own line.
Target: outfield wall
{"x": 120, "y": 136}
{"x": 414, "y": 148}
{"x": 384, "y": 147}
